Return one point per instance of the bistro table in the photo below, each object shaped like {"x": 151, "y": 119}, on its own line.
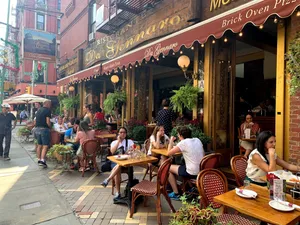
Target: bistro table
{"x": 104, "y": 136}
{"x": 248, "y": 139}
{"x": 163, "y": 151}
{"x": 129, "y": 163}
{"x": 259, "y": 207}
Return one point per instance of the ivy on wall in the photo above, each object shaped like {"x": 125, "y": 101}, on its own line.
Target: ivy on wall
{"x": 293, "y": 64}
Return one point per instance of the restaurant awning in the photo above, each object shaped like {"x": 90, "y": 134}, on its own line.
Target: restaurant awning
{"x": 83, "y": 74}
{"x": 255, "y": 12}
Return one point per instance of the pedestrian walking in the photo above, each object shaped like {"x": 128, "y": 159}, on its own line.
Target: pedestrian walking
{"x": 6, "y": 127}
{"x": 42, "y": 132}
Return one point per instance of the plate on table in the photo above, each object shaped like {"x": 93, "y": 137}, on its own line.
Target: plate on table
{"x": 244, "y": 193}
{"x": 280, "y": 207}
{"x": 121, "y": 157}
{"x": 288, "y": 176}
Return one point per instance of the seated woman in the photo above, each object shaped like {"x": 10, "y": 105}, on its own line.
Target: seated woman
{"x": 248, "y": 124}
{"x": 119, "y": 146}
{"x": 263, "y": 159}
{"x": 99, "y": 115}
{"x": 73, "y": 127}
{"x": 192, "y": 151}
{"x": 84, "y": 133}
{"x": 158, "y": 139}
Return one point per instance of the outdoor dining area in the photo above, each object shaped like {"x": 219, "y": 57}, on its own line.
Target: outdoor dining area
{"x": 207, "y": 198}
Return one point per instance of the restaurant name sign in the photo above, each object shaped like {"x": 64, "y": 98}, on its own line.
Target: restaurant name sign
{"x": 69, "y": 68}
{"x": 132, "y": 35}
{"x": 216, "y": 4}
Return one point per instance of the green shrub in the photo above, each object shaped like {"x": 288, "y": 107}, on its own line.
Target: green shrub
{"x": 139, "y": 133}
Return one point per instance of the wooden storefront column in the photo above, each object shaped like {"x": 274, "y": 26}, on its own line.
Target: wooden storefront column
{"x": 132, "y": 92}
{"x": 123, "y": 106}
{"x": 128, "y": 96}
{"x": 82, "y": 97}
{"x": 280, "y": 91}
{"x": 207, "y": 105}
{"x": 150, "y": 98}
{"x": 195, "y": 79}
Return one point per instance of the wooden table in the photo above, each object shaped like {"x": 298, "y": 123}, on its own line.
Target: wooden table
{"x": 104, "y": 136}
{"x": 163, "y": 151}
{"x": 247, "y": 139}
{"x": 259, "y": 208}
{"x": 71, "y": 141}
{"x": 129, "y": 163}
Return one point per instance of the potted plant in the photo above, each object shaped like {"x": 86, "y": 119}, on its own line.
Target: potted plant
{"x": 190, "y": 213}
{"x": 57, "y": 151}
{"x": 23, "y": 131}
{"x": 185, "y": 97}
{"x": 131, "y": 124}
{"x": 71, "y": 102}
{"x": 99, "y": 125}
{"x": 113, "y": 101}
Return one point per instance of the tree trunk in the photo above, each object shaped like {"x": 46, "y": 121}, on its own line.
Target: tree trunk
{"x": 141, "y": 114}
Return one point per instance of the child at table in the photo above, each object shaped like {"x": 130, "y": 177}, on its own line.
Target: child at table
{"x": 264, "y": 159}
{"x": 119, "y": 146}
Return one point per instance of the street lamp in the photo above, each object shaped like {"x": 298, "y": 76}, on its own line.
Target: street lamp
{"x": 184, "y": 62}
{"x": 71, "y": 88}
{"x": 114, "y": 79}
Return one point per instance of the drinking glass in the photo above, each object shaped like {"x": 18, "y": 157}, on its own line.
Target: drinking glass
{"x": 280, "y": 196}
{"x": 246, "y": 184}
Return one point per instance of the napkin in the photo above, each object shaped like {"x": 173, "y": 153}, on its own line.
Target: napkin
{"x": 246, "y": 193}
{"x": 289, "y": 204}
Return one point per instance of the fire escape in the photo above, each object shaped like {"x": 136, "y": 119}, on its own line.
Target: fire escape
{"x": 123, "y": 11}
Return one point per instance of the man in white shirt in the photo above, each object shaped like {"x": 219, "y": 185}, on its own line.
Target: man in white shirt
{"x": 60, "y": 128}
{"x": 192, "y": 151}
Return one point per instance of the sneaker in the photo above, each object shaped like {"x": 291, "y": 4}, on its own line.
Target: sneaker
{"x": 6, "y": 158}
{"x": 174, "y": 196}
{"x": 104, "y": 183}
{"x": 44, "y": 164}
{"x": 117, "y": 196}
{"x": 40, "y": 163}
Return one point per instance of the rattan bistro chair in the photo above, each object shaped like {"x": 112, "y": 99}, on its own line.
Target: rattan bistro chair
{"x": 149, "y": 188}
{"x": 211, "y": 183}
{"x": 89, "y": 150}
{"x": 211, "y": 161}
{"x": 238, "y": 165}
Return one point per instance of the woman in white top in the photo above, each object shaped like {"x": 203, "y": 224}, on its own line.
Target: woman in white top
{"x": 192, "y": 151}
{"x": 264, "y": 159}
{"x": 119, "y": 146}
{"x": 158, "y": 139}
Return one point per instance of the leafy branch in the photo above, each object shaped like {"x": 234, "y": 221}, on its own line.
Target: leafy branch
{"x": 185, "y": 97}
{"x": 293, "y": 64}
{"x": 113, "y": 100}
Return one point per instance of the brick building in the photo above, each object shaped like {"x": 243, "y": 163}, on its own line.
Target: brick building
{"x": 236, "y": 47}
{"x": 38, "y": 25}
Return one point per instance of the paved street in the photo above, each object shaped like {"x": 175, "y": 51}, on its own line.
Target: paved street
{"x": 27, "y": 195}
{"x": 62, "y": 197}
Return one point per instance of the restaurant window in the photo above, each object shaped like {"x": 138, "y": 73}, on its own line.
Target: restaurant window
{"x": 40, "y": 21}
{"x": 92, "y": 18}
{"x": 58, "y": 26}
{"x": 58, "y": 5}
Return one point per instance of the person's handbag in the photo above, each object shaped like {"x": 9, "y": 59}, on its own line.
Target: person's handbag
{"x": 106, "y": 167}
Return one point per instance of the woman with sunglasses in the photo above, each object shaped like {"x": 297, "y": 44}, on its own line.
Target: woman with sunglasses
{"x": 119, "y": 146}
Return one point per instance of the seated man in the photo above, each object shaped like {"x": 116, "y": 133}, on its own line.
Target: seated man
{"x": 119, "y": 146}
{"x": 60, "y": 128}
{"x": 71, "y": 133}
{"x": 192, "y": 151}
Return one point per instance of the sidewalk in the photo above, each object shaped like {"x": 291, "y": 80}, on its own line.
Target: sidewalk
{"x": 27, "y": 195}
{"x": 93, "y": 204}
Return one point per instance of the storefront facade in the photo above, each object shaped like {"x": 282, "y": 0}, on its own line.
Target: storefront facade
{"x": 214, "y": 41}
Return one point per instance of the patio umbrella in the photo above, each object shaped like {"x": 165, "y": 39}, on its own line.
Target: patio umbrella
{"x": 24, "y": 99}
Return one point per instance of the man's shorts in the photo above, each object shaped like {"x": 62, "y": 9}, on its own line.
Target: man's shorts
{"x": 42, "y": 135}
{"x": 183, "y": 173}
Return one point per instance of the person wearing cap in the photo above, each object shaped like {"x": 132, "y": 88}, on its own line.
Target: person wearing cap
{"x": 6, "y": 127}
